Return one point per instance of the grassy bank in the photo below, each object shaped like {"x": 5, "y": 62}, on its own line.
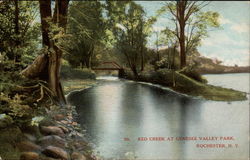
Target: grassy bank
{"x": 76, "y": 73}
{"x": 189, "y": 86}
{"x": 76, "y": 79}
{"x": 76, "y": 84}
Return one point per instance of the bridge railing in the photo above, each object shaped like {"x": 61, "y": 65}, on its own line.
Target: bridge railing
{"x": 116, "y": 66}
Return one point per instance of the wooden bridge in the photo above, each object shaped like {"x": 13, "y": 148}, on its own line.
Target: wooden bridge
{"x": 115, "y": 65}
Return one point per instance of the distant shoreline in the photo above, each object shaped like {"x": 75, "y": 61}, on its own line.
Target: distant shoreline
{"x": 220, "y": 72}
{"x": 224, "y": 70}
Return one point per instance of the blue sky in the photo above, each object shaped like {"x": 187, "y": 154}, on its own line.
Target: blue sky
{"x": 230, "y": 43}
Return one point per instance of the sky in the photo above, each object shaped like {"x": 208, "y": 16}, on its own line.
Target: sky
{"x": 230, "y": 43}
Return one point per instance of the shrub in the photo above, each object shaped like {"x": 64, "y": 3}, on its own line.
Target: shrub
{"x": 71, "y": 73}
{"x": 192, "y": 73}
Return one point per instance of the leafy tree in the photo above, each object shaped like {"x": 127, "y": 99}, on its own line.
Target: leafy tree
{"x": 130, "y": 29}
{"x": 167, "y": 37}
{"x": 191, "y": 24}
{"x": 87, "y": 29}
{"x": 18, "y": 30}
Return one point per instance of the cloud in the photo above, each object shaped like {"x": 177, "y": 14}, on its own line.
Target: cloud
{"x": 241, "y": 27}
{"x": 223, "y": 39}
{"x": 243, "y": 51}
{"x": 207, "y": 42}
{"x": 223, "y": 20}
{"x": 230, "y": 59}
{"x": 230, "y": 62}
{"x": 229, "y": 56}
{"x": 163, "y": 20}
{"x": 158, "y": 28}
{"x": 222, "y": 46}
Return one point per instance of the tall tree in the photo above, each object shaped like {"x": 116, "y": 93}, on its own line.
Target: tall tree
{"x": 47, "y": 66}
{"x": 188, "y": 17}
{"x": 130, "y": 29}
{"x": 86, "y": 27}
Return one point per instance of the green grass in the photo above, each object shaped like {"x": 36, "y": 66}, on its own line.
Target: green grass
{"x": 76, "y": 84}
{"x": 73, "y": 73}
{"x": 210, "y": 92}
{"x": 76, "y": 79}
{"x": 189, "y": 86}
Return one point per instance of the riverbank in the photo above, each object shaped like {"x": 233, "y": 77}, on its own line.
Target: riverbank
{"x": 32, "y": 127}
{"x": 189, "y": 86}
{"x": 70, "y": 85}
{"x": 52, "y": 135}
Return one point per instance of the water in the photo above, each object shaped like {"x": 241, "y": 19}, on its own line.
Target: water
{"x": 118, "y": 109}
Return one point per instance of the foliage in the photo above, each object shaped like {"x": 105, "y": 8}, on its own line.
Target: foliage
{"x": 169, "y": 59}
{"x": 69, "y": 73}
{"x": 189, "y": 86}
{"x": 167, "y": 37}
{"x": 130, "y": 29}
{"x": 36, "y": 120}
{"x": 191, "y": 72}
{"x": 86, "y": 27}
{"x": 20, "y": 98}
{"x": 8, "y": 138}
{"x": 18, "y": 31}
{"x": 15, "y": 105}
{"x": 188, "y": 27}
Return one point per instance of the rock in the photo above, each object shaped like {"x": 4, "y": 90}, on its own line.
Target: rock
{"x": 27, "y": 146}
{"x": 29, "y": 137}
{"x": 5, "y": 120}
{"x": 77, "y": 156}
{"x": 80, "y": 145}
{"x": 52, "y": 141}
{"x": 59, "y": 117}
{"x": 29, "y": 156}
{"x": 52, "y": 130}
{"x": 43, "y": 157}
{"x": 70, "y": 117}
{"x": 64, "y": 122}
{"x": 65, "y": 130}
{"x": 55, "y": 152}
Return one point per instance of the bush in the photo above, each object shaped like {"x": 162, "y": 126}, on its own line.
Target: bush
{"x": 71, "y": 73}
{"x": 192, "y": 73}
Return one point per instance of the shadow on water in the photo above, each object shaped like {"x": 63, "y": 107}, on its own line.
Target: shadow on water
{"x": 116, "y": 110}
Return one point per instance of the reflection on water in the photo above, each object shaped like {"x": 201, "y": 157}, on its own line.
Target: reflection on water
{"x": 115, "y": 110}
{"x": 110, "y": 78}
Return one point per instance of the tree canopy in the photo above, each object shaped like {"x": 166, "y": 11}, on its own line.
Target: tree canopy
{"x": 191, "y": 24}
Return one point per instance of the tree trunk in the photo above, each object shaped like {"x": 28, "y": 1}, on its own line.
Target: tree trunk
{"x": 60, "y": 18}
{"x": 181, "y": 13}
{"x": 45, "y": 14}
{"x": 52, "y": 59}
{"x": 87, "y": 60}
{"x": 142, "y": 59}
{"x": 173, "y": 67}
{"x": 157, "y": 46}
{"x": 134, "y": 70}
